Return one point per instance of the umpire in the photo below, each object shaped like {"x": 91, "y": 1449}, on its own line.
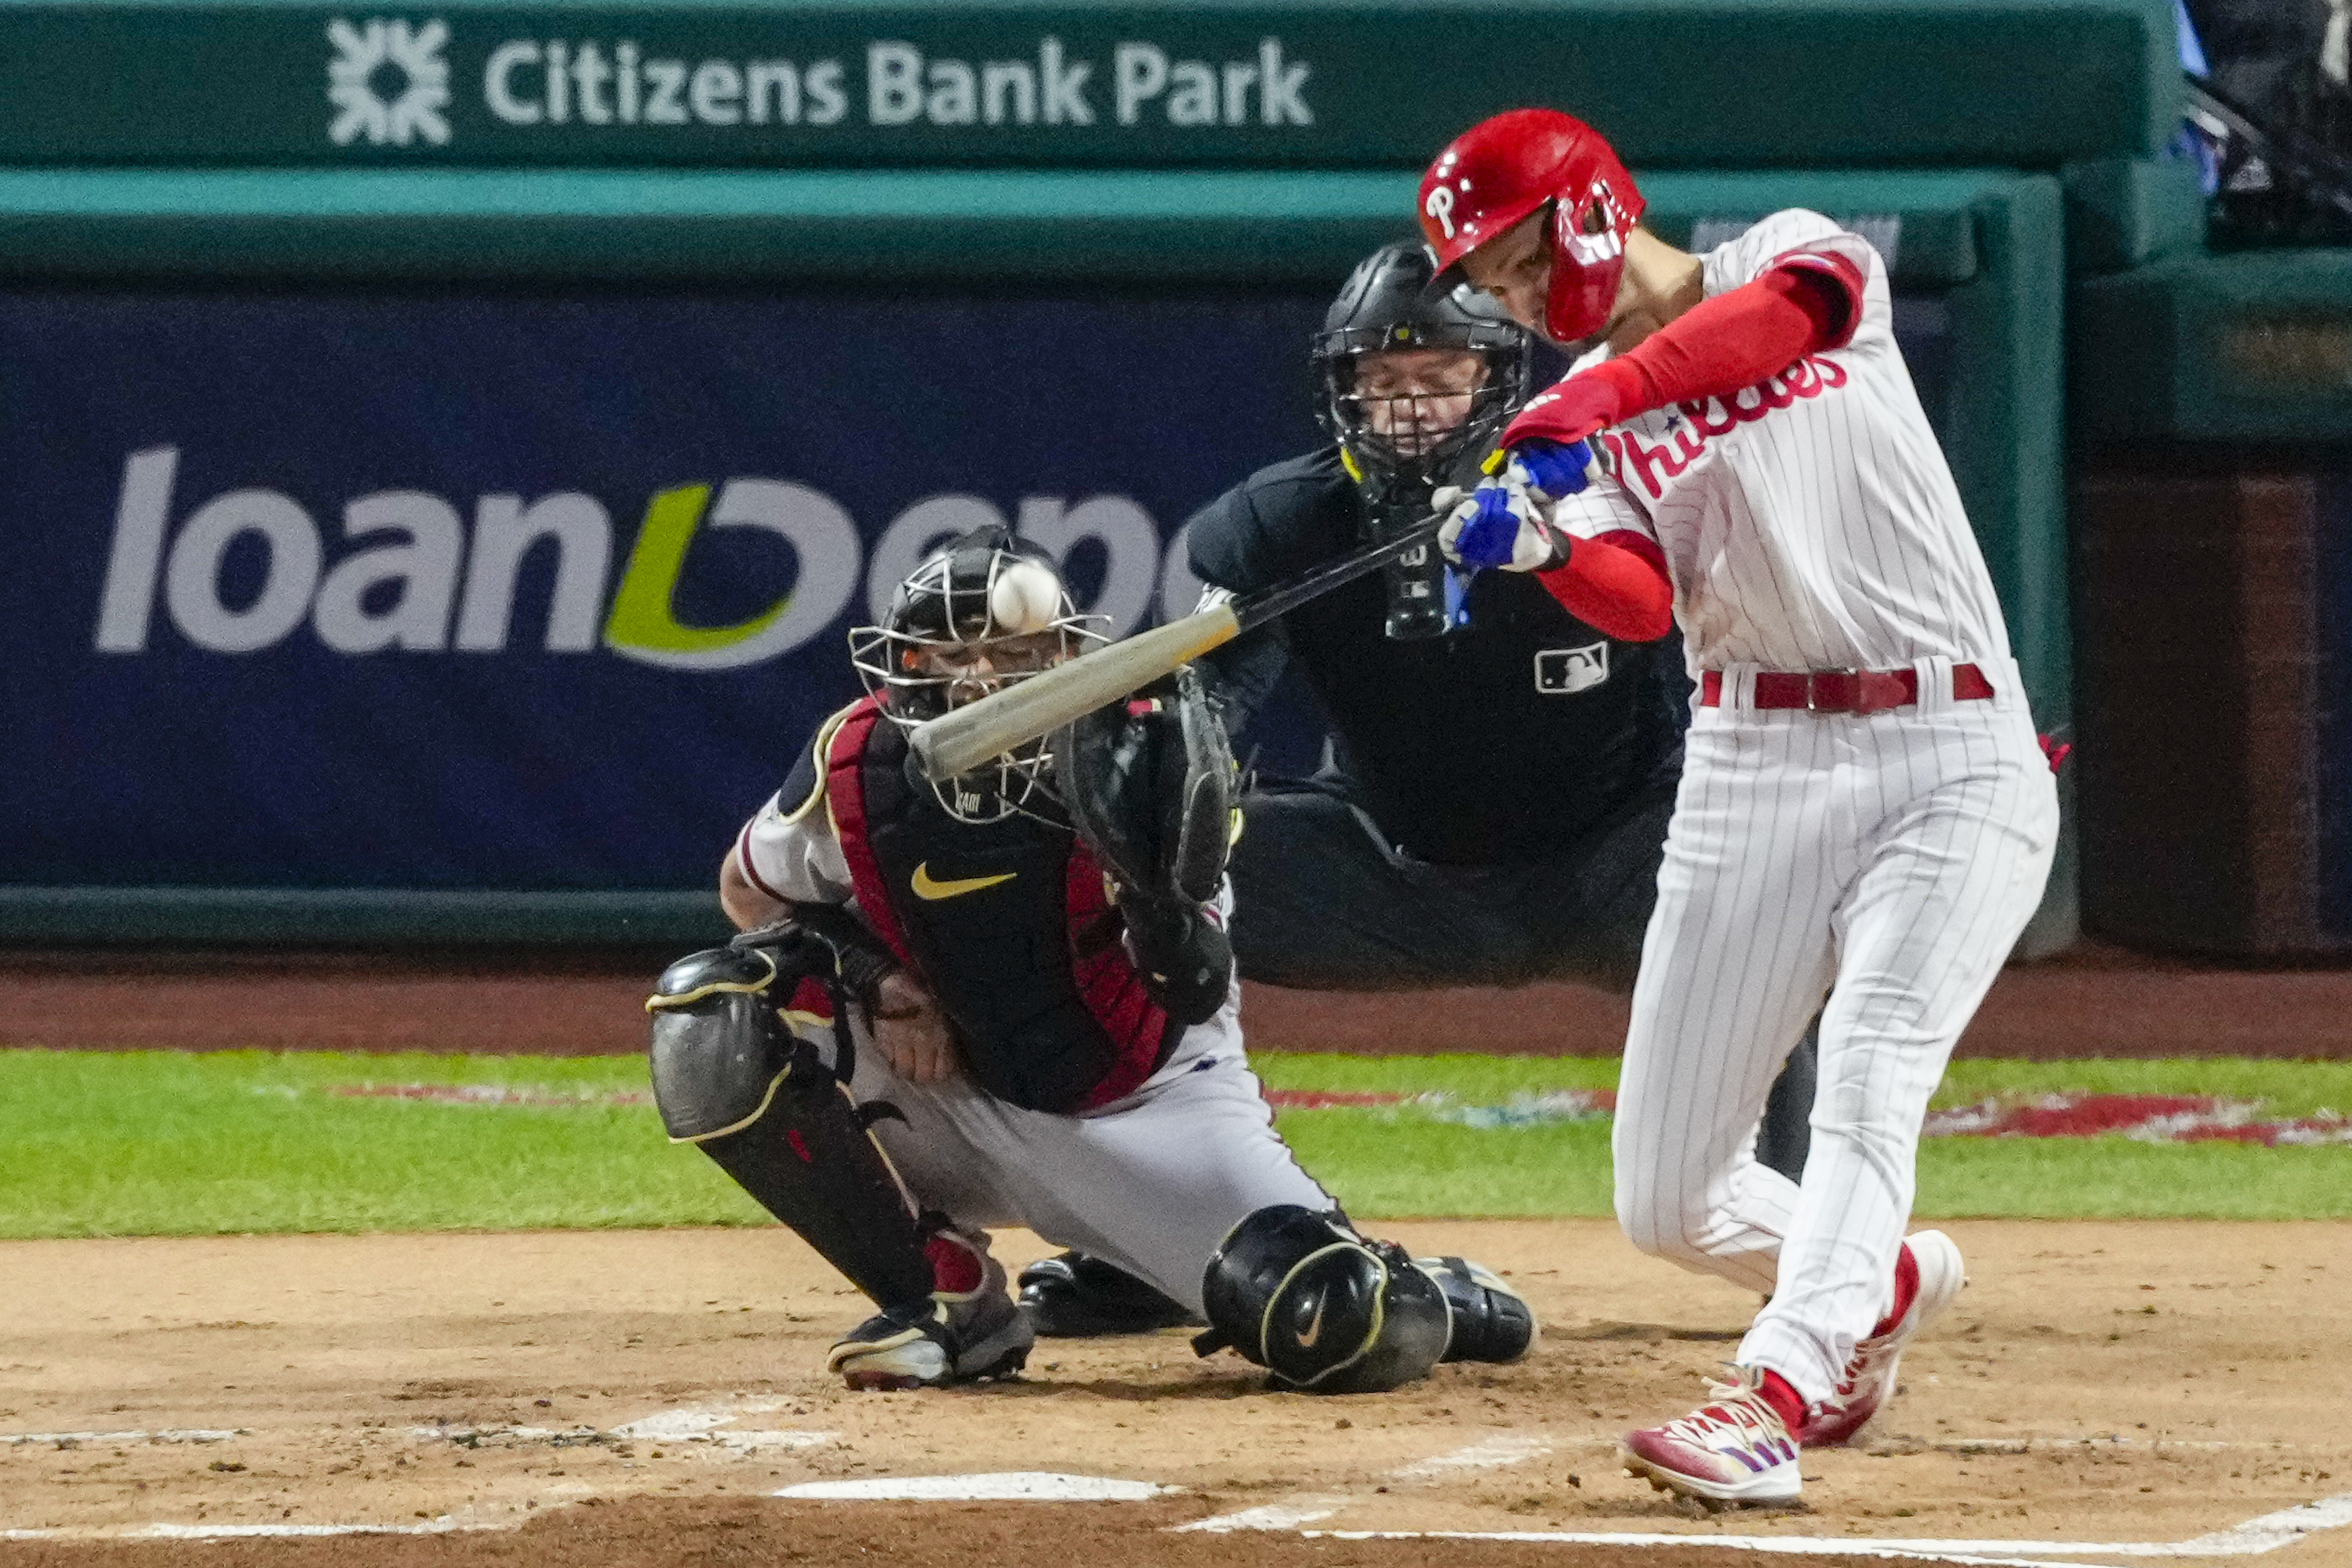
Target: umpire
{"x": 1499, "y": 774}
{"x": 1493, "y": 801}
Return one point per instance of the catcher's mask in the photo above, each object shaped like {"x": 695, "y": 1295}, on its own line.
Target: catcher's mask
{"x": 983, "y": 611}
{"x": 1415, "y": 378}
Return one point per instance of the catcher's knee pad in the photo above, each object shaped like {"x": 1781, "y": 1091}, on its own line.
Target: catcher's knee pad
{"x": 731, "y": 1080}
{"x": 1487, "y": 1320}
{"x": 719, "y": 1051}
{"x": 1320, "y": 1307}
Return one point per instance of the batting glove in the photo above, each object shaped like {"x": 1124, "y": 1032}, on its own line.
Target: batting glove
{"x": 1552, "y": 470}
{"x": 1500, "y": 524}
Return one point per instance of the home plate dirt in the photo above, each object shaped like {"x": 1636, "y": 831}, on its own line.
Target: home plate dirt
{"x": 2102, "y": 1393}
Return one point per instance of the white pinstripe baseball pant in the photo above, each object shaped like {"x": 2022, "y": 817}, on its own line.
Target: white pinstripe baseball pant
{"x": 1890, "y": 860}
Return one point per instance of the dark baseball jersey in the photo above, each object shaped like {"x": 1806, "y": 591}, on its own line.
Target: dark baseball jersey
{"x": 1007, "y": 924}
{"x": 1512, "y": 737}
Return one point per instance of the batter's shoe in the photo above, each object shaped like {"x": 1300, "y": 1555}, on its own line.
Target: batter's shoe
{"x": 1487, "y": 1320}
{"x": 1073, "y": 1296}
{"x": 1734, "y": 1448}
{"x": 972, "y": 1335}
{"x": 1937, "y": 1273}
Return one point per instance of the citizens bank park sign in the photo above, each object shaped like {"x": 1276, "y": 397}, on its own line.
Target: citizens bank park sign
{"x": 1035, "y": 83}
{"x": 283, "y": 84}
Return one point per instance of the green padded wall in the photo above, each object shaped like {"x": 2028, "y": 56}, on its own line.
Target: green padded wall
{"x": 1292, "y": 83}
{"x": 2250, "y": 347}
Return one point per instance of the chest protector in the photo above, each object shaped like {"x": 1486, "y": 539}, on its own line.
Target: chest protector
{"x": 1007, "y": 924}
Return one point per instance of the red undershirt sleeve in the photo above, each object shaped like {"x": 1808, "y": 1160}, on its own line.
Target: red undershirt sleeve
{"x": 1616, "y": 584}
{"x": 1808, "y": 302}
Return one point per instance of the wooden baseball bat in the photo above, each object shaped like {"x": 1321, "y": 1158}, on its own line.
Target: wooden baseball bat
{"x": 965, "y": 738}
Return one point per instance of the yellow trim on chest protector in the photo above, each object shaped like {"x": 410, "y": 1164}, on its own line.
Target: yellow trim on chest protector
{"x": 823, "y": 750}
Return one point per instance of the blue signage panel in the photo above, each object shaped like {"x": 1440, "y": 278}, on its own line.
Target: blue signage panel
{"x": 539, "y": 592}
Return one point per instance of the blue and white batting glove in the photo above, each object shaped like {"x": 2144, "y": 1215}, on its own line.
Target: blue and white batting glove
{"x": 1553, "y": 470}
{"x": 1501, "y": 524}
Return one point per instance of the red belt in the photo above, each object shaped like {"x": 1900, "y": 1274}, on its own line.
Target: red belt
{"x": 1844, "y": 691}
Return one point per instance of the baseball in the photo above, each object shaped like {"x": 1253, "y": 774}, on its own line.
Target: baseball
{"x": 1023, "y": 598}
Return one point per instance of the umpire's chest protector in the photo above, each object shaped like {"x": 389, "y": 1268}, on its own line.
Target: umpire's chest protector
{"x": 1005, "y": 922}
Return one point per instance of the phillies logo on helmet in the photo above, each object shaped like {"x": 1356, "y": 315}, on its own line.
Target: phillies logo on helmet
{"x": 1439, "y": 205}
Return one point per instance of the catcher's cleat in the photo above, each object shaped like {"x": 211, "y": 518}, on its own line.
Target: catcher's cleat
{"x": 933, "y": 1344}
{"x": 1489, "y": 1320}
{"x": 967, "y": 1332}
{"x": 1073, "y": 1296}
{"x": 1733, "y": 1449}
{"x": 1869, "y": 1379}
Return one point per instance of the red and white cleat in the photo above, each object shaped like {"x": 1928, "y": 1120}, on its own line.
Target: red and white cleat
{"x": 1869, "y": 1379}
{"x": 1733, "y": 1449}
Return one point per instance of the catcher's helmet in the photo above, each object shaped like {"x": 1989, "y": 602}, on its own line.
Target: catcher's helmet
{"x": 1388, "y": 306}
{"x": 981, "y": 612}
{"x": 1501, "y": 170}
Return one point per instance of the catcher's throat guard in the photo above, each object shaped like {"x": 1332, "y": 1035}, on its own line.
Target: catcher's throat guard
{"x": 731, "y": 1079}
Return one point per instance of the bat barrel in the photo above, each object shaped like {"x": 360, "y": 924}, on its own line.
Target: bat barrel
{"x": 962, "y": 739}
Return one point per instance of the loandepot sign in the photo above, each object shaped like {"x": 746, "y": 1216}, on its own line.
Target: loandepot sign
{"x": 418, "y": 575}
{"x": 389, "y": 84}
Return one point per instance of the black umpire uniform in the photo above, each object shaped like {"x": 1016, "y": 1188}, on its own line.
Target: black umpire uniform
{"x": 1493, "y": 801}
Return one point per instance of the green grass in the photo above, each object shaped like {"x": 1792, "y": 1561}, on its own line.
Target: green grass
{"x": 1385, "y": 1162}
{"x": 163, "y": 1142}
{"x": 2284, "y": 1088}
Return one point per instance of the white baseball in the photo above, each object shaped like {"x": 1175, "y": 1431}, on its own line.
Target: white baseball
{"x": 1025, "y": 598}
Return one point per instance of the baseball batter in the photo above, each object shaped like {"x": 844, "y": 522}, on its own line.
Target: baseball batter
{"x": 1009, "y": 1001}
{"x": 1864, "y": 810}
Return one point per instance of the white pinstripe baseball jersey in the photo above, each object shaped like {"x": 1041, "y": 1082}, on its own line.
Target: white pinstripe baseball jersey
{"x": 1785, "y": 555}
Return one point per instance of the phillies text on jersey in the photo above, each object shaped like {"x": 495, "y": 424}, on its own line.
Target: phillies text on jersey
{"x": 1810, "y": 521}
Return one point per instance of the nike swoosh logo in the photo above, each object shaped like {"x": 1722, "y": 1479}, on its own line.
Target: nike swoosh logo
{"x": 1314, "y": 1330}
{"x": 931, "y": 891}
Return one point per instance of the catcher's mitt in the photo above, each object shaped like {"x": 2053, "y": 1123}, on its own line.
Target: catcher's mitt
{"x": 1149, "y": 784}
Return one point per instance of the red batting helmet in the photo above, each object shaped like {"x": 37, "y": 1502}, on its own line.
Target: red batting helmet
{"x": 1500, "y": 170}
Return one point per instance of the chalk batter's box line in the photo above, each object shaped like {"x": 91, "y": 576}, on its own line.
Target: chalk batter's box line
{"x": 2255, "y": 1537}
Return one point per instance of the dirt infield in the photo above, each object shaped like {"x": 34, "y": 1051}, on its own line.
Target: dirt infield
{"x": 632, "y": 1396}
{"x": 2092, "y": 1001}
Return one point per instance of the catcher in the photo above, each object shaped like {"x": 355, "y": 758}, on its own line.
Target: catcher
{"x": 1009, "y": 1001}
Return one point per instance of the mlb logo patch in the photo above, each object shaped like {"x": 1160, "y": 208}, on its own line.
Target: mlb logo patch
{"x": 1564, "y": 672}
